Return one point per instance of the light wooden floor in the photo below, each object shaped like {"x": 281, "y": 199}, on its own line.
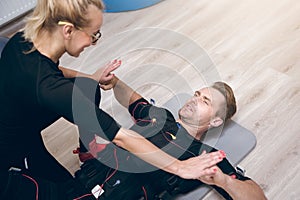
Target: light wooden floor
{"x": 180, "y": 45}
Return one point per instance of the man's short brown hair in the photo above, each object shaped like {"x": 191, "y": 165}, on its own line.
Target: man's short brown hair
{"x": 227, "y": 92}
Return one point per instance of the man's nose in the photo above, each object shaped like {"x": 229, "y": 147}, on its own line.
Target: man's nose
{"x": 196, "y": 99}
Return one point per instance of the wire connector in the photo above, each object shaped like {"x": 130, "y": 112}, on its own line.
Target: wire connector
{"x": 97, "y": 191}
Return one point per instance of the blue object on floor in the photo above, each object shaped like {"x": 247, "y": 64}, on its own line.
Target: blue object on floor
{"x": 127, "y": 5}
{"x": 3, "y": 41}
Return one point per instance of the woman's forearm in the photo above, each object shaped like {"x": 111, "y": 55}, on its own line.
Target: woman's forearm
{"x": 103, "y": 75}
{"x": 188, "y": 169}
{"x": 70, "y": 73}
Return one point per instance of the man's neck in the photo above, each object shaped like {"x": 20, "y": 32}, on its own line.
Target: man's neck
{"x": 195, "y": 131}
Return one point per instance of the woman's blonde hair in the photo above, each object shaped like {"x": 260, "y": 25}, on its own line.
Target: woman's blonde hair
{"x": 48, "y": 13}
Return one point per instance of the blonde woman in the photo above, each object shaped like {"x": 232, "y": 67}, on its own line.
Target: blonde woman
{"x": 35, "y": 93}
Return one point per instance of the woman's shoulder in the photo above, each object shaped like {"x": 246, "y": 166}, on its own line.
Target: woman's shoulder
{"x": 18, "y": 40}
{"x": 18, "y": 36}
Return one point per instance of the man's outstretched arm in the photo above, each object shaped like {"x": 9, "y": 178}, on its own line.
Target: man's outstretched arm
{"x": 123, "y": 93}
{"x": 237, "y": 189}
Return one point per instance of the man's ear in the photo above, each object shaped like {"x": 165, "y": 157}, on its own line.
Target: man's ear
{"x": 217, "y": 121}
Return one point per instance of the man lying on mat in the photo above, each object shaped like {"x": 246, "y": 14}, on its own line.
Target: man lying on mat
{"x": 209, "y": 107}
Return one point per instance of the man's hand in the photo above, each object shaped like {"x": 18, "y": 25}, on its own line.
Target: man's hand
{"x": 218, "y": 178}
{"x": 104, "y": 75}
{"x": 200, "y": 166}
{"x": 242, "y": 190}
{"x": 110, "y": 84}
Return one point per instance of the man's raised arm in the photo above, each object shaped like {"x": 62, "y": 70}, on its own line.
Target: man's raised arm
{"x": 123, "y": 93}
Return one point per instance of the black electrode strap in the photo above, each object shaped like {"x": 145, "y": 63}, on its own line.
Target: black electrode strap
{"x": 12, "y": 179}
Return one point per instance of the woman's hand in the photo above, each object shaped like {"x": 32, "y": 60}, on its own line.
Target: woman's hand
{"x": 104, "y": 75}
{"x": 200, "y": 166}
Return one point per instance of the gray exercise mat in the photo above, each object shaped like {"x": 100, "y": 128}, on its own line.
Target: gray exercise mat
{"x": 234, "y": 139}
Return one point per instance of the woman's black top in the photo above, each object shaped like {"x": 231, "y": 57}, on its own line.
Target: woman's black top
{"x": 33, "y": 94}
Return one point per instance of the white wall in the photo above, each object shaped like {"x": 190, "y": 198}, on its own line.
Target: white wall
{"x": 10, "y": 9}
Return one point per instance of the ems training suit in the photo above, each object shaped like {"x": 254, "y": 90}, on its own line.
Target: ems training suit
{"x": 138, "y": 180}
{"x": 33, "y": 94}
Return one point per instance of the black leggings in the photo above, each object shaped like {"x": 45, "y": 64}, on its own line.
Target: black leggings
{"x": 42, "y": 163}
{"x": 43, "y": 167}
{"x": 22, "y": 186}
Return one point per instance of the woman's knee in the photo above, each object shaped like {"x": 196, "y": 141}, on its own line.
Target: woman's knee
{"x": 89, "y": 87}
